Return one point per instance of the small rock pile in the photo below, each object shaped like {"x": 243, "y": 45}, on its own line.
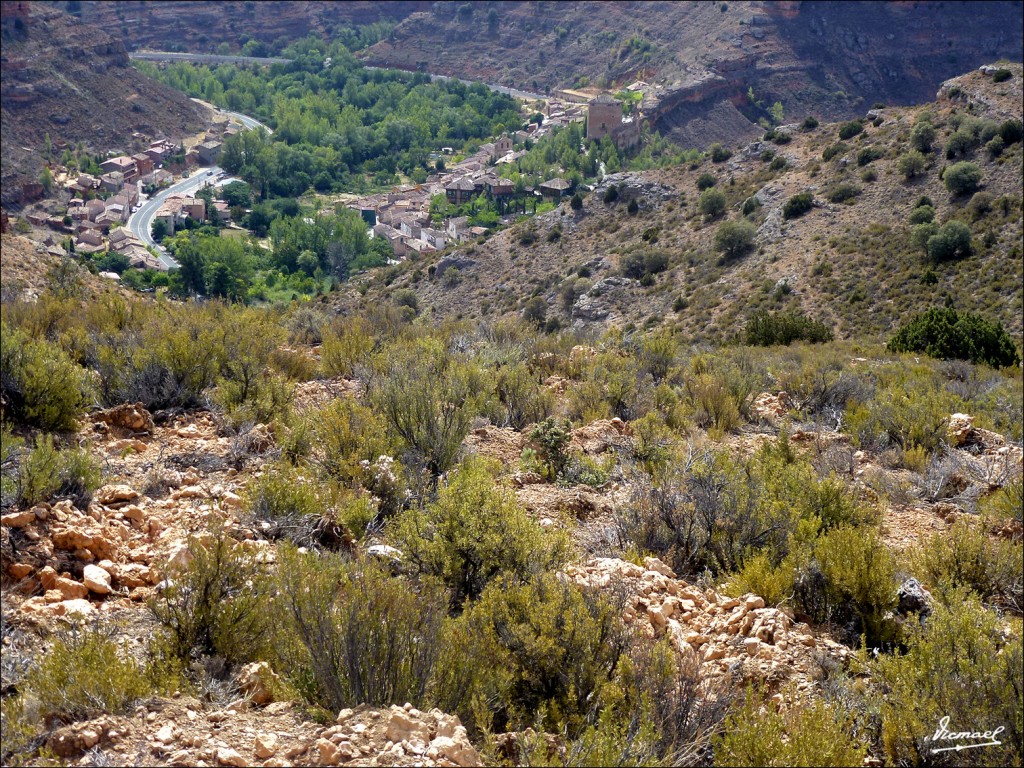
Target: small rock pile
{"x": 727, "y": 635}
{"x": 181, "y": 731}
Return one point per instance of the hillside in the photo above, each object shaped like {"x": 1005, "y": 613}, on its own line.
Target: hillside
{"x": 832, "y": 60}
{"x": 700, "y": 60}
{"x": 201, "y": 25}
{"x": 74, "y": 81}
{"x": 850, "y": 263}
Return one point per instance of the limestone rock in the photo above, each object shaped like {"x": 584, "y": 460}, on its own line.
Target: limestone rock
{"x": 402, "y": 726}
{"x": 228, "y": 756}
{"x": 265, "y": 745}
{"x": 112, "y": 495}
{"x": 131, "y": 416}
{"x": 329, "y": 752}
{"x": 18, "y": 519}
{"x": 256, "y": 681}
{"x": 96, "y": 579}
{"x": 913, "y": 598}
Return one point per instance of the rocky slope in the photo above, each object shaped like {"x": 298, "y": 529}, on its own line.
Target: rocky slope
{"x": 850, "y": 263}
{"x": 74, "y": 81}
{"x": 700, "y": 59}
{"x": 829, "y": 59}
{"x": 167, "y": 476}
{"x": 201, "y": 25}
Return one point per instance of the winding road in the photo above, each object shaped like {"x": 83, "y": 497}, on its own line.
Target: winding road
{"x": 141, "y": 222}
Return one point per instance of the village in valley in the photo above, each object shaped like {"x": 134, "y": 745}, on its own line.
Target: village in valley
{"x": 96, "y": 218}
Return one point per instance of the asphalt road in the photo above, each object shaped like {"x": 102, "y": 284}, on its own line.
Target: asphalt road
{"x": 204, "y": 58}
{"x": 141, "y": 222}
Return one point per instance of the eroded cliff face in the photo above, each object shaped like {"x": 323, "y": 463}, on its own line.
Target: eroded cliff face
{"x": 833, "y": 60}
{"x": 73, "y": 81}
{"x": 201, "y": 25}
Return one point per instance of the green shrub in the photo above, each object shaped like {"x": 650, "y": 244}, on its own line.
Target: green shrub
{"x": 995, "y": 146}
{"x": 427, "y": 398}
{"x": 346, "y": 345}
{"x": 842, "y": 192}
{"x": 611, "y": 194}
{"x": 810, "y": 123}
{"x": 1001, "y": 75}
{"x": 924, "y": 214}
{"x": 812, "y": 734}
{"x": 962, "y": 178}
{"x": 980, "y": 205}
{"x": 834, "y": 150}
{"x": 524, "y": 399}
{"x": 920, "y": 234}
{"x": 584, "y": 470}
{"x": 712, "y": 203}
{"x": 40, "y": 384}
{"x": 952, "y": 241}
{"x": 706, "y": 181}
{"x": 850, "y": 129}
{"x": 960, "y": 143}
{"x": 965, "y": 556}
{"x": 735, "y": 238}
{"x": 911, "y": 164}
{"x": 1011, "y": 131}
{"x": 542, "y": 649}
{"x": 216, "y": 604}
{"x": 46, "y": 473}
{"x": 345, "y": 434}
{"x": 797, "y": 205}
{"x": 869, "y": 155}
{"x": 550, "y": 438}
{"x": 962, "y": 663}
{"x": 950, "y": 335}
{"x": 719, "y": 154}
{"x": 474, "y": 532}
{"x": 633, "y": 208}
{"x": 765, "y": 329}
{"x": 760, "y": 576}
{"x": 87, "y": 674}
{"x": 859, "y": 579}
{"x": 922, "y": 135}
{"x": 286, "y": 501}
{"x": 349, "y": 633}
{"x": 778, "y": 164}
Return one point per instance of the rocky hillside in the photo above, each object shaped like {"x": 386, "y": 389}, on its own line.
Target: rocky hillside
{"x": 201, "y": 25}
{"x": 702, "y": 60}
{"x": 829, "y": 59}
{"x": 74, "y": 81}
{"x": 849, "y": 260}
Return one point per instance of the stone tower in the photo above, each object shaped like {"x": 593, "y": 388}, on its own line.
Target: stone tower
{"x": 604, "y": 116}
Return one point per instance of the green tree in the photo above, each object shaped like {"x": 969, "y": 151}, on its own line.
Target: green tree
{"x": 944, "y": 333}
{"x": 159, "y": 231}
{"x": 922, "y": 135}
{"x": 797, "y": 205}
{"x": 911, "y": 164}
{"x": 712, "y": 203}
{"x": 951, "y": 241}
{"x": 734, "y": 238}
{"x": 962, "y": 178}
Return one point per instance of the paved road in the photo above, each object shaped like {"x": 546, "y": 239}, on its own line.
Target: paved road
{"x": 204, "y": 58}
{"x": 141, "y": 222}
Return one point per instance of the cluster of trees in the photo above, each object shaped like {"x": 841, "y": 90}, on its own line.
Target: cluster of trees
{"x": 335, "y": 120}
